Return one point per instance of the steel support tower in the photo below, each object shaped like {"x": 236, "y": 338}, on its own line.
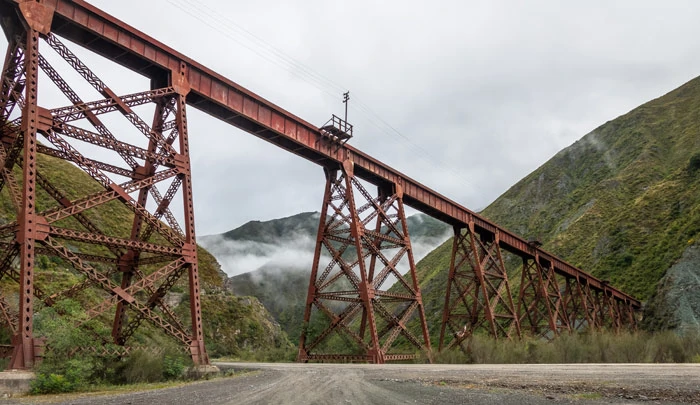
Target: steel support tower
{"x": 131, "y": 272}
{"x": 363, "y": 240}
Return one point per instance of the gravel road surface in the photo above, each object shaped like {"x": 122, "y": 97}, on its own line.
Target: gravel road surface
{"x": 264, "y": 383}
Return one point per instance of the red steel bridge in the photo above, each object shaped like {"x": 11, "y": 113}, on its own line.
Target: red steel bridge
{"x": 359, "y": 306}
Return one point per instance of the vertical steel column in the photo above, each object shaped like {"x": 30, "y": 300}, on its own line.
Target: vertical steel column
{"x": 24, "y": 352}
{"x": 331, "y": 176}
{"x": 181, "y": 85}
{"x": 414, "y": 275}
{"x": 449, "y": 313}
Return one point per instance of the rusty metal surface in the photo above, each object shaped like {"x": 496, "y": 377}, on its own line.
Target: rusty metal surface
{"x": 222, "y": 98}
{"x": 362, "y": 240}
{"x": 148, "y": 262}
{"x": 478, "y": 295}
{"x": 160, "y": 243}
{"x": 479, "y": 298}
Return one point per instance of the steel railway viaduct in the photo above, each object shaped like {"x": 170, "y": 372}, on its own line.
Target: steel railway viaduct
{"x": 362, "y": 234}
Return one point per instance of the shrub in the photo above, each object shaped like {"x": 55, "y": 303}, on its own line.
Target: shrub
{"x": 51, "y": 384}
{"x": 667, "y": 347}
{"x": 71, "y": 362}
{"x": 139, "y": 367}
{"x": 173, "y": 367}
{"x": 143, "y": 366}
{"x": 592, "y": 347}
{"x": 64, "y": 368}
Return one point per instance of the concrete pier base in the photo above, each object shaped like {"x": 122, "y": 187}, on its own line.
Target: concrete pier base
{"x": 15, "y": 382}
{"x": 200, "y": 372}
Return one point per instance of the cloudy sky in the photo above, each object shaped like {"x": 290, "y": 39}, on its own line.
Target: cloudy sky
{"x": 465, "y": 96}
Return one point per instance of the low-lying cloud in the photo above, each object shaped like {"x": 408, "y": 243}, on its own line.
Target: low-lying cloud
{"x": 237, "y": 257}
{"x": 294, "y": 252}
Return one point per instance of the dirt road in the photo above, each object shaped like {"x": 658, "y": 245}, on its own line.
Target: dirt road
{"x": 423, "y": 384}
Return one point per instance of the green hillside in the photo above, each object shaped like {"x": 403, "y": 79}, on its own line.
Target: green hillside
{"x": 232, "y": 325}
{"x": 305, "y": 224}
{"x": 622, "y": 203}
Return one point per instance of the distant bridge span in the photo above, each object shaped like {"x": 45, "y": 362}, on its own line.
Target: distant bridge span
{"x": 362, "y": 236}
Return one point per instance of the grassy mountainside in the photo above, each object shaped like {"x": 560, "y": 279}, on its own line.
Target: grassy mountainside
{"x": 622, "y": 203}
{"x": 232, "y": 325}
{"x": 304, "y": 224}
{"x": 277, "y": 256}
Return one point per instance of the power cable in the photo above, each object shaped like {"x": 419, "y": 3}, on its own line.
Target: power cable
{"x": 218, "y": 22}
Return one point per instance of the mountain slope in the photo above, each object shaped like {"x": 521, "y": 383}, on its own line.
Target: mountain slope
{"x": 232, "y": 325}
{"x": 276, "y": 256}
{"x": 622, "y": 203}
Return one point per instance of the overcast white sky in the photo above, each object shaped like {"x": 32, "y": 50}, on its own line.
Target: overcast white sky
{"x": 481, "y": 92}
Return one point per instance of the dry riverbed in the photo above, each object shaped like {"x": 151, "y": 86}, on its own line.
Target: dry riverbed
{"x": 263, "y": 383}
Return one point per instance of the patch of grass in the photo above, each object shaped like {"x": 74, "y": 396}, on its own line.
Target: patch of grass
{"x": 639, "y": 347}
{"x": 97, "y": 390}
{"x": 587, "y": 395}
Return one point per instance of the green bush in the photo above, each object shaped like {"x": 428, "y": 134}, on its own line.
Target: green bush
{"x": 75, "y": 374}
{"x": 71, "y": 361}
{"x": 65, "y": 368}
{"x": 275, "y": 355}
{"x": 140, "y": 366}
{"x": 143, "y": 366}
{"x": 51, "y": 384}
{"x": 173, "y": 367}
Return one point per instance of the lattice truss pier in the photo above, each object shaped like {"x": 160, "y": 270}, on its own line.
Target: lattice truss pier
{"x": 135, "y": 149}
{"x": 363, "y": 247}
{"x": 480, "y": 299}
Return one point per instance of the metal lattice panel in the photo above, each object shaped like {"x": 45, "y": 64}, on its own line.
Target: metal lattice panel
{"x": 130, "y": 272}
{"x": 350, "y": 314}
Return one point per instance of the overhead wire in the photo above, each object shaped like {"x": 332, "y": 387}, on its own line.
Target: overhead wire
{"x": 224, "y": 25}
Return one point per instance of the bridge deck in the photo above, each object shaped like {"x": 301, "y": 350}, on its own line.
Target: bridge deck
{"x": 222, "y": 98}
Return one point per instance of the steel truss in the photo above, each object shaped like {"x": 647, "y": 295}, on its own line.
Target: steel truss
{"x": 479, "y": 298}
{"x": 131, "y": 272}
{"x": 349, "y": 314}
{"x": 478, "y": 293}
